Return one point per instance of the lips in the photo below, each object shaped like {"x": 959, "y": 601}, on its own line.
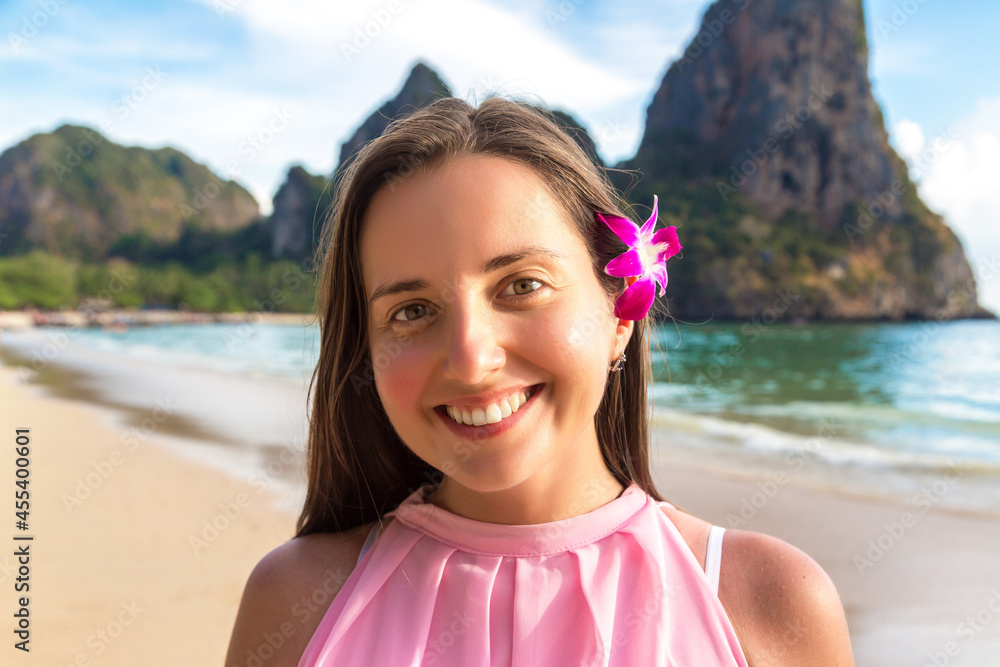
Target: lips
{"x": 492, "y": 413}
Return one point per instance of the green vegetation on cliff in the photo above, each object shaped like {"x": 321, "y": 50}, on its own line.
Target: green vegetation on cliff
{"x": 75, "y": 193}
{"x": 42, "y": 280}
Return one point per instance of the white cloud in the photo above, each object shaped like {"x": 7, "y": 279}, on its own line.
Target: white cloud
{"x": 599, "y": 64}
{"x": 603, "y": 69}
{"x": 355, "y": 37}
{"x": 909, "y": 139}
{"x": 347, "y": 58}
{"x": 958, "y": 179}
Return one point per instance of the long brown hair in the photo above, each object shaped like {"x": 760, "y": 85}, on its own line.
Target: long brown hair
{"x": 358, "y": 467}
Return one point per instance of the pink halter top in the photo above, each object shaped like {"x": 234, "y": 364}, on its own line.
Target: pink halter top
{"x": 617, "y": 586}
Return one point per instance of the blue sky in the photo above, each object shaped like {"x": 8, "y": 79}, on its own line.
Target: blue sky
{"x": 206, "y": 76}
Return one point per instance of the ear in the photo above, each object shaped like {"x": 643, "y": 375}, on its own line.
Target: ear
{"x": 623, "y": 333}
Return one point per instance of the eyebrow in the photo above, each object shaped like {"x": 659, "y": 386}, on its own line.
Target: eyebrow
{"x": 498, "y": 262}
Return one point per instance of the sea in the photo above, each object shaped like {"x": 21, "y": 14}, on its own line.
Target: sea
{"x": 882, "y": 408}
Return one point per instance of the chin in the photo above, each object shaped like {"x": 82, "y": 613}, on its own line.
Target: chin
{"x": 486, "y": 477}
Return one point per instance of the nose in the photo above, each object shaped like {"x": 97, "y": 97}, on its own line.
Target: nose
{"x": 474, "y": 344}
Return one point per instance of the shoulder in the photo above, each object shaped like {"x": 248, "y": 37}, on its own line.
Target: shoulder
{"x": 289, "y": 591}
{"x": 692, "y": 529}
{"x": 784, "y": 605}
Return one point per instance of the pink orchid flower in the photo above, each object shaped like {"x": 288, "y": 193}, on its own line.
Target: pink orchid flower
{"x": 644, "y": 263}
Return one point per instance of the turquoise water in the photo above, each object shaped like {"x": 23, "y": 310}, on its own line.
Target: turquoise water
{"x": 922, "y": 388}
{"x": 252, "y": 349}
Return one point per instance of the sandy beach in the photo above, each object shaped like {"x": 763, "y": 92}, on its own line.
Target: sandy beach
{"x": 144, "y": 535}
{"x": 139, "y": 556}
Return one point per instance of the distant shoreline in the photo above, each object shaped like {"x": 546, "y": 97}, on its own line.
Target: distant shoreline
{"x": 123, "y": 318}
{"x": 126, "y": 317}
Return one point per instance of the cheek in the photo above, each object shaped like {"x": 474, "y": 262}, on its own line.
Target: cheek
{"x": 587, "y": 334}
{"x": 398, "y": 375}
{"x": 578, "y": 340}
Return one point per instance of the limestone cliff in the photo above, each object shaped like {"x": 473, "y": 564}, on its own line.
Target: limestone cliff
{"x": 299, "y": 209}
{"x": 767, "y": 147}
{"x": 422, "y": 87}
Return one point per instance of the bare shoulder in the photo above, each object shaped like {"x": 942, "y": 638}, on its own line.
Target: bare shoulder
{"x": 784, "y": 606}
{"x": 287, "y": 594}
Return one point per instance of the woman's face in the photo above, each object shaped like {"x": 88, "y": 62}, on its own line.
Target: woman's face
{"x": 481, "y": 288}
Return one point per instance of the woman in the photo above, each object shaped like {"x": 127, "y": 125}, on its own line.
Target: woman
{"x": 479, "y": 489}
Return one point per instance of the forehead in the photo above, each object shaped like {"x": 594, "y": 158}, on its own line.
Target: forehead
{"x": 459, "y": 214}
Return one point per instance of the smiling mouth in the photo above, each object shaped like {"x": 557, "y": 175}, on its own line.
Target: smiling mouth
{"x": 492, "y": 414}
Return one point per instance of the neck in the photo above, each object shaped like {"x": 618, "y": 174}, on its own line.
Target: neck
{"x": 531, "y": 501}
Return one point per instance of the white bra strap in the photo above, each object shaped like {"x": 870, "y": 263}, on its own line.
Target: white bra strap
{"x": 370, "y": 540}
{"x": 713, "y": 557}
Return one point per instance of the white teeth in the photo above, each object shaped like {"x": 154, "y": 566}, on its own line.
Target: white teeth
{"x": 466, "y": 418}
{"x": 491, "y": 414}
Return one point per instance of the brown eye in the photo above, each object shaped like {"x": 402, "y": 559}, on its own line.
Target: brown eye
{"x": 524, "y": 284}
{"x": 417, "y": 309}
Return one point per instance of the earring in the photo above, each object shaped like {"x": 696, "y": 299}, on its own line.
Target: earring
{"x": 618, "y": 363}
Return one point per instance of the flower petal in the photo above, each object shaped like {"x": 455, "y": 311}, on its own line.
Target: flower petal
{"x": 627, "y": 264}
{"x": 635, "y": 301}
{"x": 668, "y": 237}
{"x": 650, "y": 224}
{"x": 623, "y": 228}
{"x": 659, "y": 273}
